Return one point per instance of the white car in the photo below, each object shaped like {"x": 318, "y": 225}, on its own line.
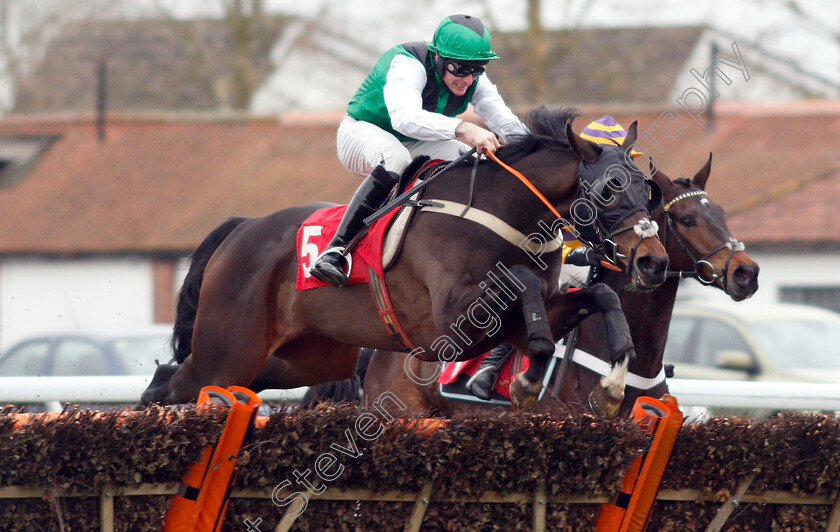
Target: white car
{"x": 754, "y": 341}
{"x": 89, "y": 353}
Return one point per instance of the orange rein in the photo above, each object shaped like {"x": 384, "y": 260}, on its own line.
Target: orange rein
{"x": 528, "y": 184}
{"x": 542, "y": 198}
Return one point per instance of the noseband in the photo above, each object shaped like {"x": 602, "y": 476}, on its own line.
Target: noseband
{"x": 606, "y": 246}
{"x": 732, "y": 245}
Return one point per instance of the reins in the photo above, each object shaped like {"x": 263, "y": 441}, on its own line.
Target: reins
{"x": 528, "y": 184}
{"x": 545, "y": 201}
{"x": 402, "y": 199}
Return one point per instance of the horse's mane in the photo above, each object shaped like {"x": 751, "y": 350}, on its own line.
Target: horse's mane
{"x": 683, "y": 182}
{"x": 547, "y": 130}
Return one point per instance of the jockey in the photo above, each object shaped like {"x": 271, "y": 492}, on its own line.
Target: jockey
{"x": 605, "y": 130}
{"x": 405, "y": 107}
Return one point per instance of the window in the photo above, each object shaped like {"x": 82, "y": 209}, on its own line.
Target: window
{"x": 678, "y": 347}
{"x": 26, "y": 360}
{"x": 714, "y": 337}
{"x": 821, "y": 296}
{"x": 138, "y": 354}
{"x": 78, "y": 357}
{"x": 799, "y": 342}
{"x": 17, "y": 153}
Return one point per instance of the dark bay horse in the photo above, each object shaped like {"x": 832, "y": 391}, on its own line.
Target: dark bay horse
{"x": 699, "y": 245}
{"x": 239, "y": 308}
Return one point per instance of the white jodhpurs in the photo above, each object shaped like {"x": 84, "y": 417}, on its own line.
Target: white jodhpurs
{"x": 362, "y": 145}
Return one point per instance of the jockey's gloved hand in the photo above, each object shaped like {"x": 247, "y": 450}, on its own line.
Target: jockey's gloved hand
{"x": 583, "y": 256}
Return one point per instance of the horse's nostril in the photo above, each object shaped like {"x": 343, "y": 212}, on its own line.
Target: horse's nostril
{"x": 650, "y": 265}
{"x": 744, "y": 275}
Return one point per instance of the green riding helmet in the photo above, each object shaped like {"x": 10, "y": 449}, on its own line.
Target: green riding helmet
{"x": 464, "y": 38}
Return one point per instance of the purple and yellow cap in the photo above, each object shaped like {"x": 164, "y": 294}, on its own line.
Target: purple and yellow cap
{"x": 606, "y": 130}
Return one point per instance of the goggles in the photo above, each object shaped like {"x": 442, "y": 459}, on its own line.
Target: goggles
{"x": 462, "y": 70}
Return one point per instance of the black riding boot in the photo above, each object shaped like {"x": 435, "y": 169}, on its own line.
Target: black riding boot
{"x": 481, "y": 384}
{"x": 331, "y": 264}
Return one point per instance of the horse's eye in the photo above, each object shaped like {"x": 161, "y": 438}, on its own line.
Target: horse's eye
{"x": 688, "y": 221}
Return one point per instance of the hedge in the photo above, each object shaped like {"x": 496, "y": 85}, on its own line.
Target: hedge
{"x": 464, "y": 458}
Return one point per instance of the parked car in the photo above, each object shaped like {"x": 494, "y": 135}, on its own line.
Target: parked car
{"x": 92, "y": 353}
{"x": 754, "y": 341}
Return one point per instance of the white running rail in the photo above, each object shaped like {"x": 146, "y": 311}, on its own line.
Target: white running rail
{"x": 55, "y": 391}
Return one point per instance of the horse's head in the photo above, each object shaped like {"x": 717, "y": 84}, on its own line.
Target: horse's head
{"x": 612, "y": 212}
{"x": 699, "y": 242}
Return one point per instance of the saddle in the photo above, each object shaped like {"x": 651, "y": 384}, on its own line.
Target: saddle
{"x": 395, "y": 235}
{"x": 453, "y": 379}
{"x": 377, "y": 250}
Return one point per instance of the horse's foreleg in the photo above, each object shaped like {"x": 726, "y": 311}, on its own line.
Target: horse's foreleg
{"x": 607, "y": 397}
{"x": 525, "y": 388}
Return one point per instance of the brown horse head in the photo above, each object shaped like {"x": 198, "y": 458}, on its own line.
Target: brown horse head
{"x": 706, "y": 250}
{"x": 612, "y": 210}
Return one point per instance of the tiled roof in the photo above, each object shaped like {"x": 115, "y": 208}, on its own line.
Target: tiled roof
{"x": 807, "y": 216}
{"x": 775, "y": 166}
{"x": 596, "y": 65}
{"x": 160, "y": 185}
{"x": 151, "y": 65}
{"x": 162, "y": 65}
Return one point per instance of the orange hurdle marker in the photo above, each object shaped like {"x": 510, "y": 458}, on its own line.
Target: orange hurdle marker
{"x": 631, "y": 509}
{"x": 202, "y": 498}
{"x": 213, "y": 500}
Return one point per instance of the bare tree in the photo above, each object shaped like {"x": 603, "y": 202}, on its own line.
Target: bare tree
{"x": 255, "y": 34}
{"x": 26, "y": 27}
{"x": 247, "y": 23}
{"x": 536, "y": 44}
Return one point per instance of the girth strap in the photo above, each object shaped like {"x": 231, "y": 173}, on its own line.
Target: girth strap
{"x": 493, "y": 223}
{"x": 387, "y": 312}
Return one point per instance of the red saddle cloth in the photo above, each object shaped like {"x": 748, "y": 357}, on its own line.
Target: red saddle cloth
{"x": 315, "y": 234}
{"x": 453, "y": 371}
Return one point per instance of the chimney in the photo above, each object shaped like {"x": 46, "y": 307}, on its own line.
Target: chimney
{"x": 710, "y": 110}
{"x": 101, "y": 80}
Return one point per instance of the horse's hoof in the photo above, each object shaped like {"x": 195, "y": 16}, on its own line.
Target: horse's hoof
{"x": 603, "y": 403}
{"x": 524, "y": 395}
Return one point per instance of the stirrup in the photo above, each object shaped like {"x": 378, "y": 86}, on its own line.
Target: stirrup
{"x": 348, "y": 258}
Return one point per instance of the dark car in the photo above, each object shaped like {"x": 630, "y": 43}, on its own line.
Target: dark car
{"x": 93, "y": 353}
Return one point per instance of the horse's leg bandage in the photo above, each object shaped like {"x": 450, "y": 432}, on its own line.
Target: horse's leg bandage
{"x": 619, "y": 341}
{"x": 533, "y": 307}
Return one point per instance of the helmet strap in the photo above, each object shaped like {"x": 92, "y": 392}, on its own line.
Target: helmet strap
{"x": 440, "y": 65}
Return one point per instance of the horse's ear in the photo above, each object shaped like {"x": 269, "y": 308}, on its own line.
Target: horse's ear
{"x": 666, "y": 185}
{"x": 632, "y": 135}
{"x": 659, "y": 177}
{"x": 702, "y": 176}
{"x": 583, "y": 148}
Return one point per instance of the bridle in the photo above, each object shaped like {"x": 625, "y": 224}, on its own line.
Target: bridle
{"x": 604, "y": 240}
{"x": 605, "y": 245}
{"x": 732, "y": 245}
